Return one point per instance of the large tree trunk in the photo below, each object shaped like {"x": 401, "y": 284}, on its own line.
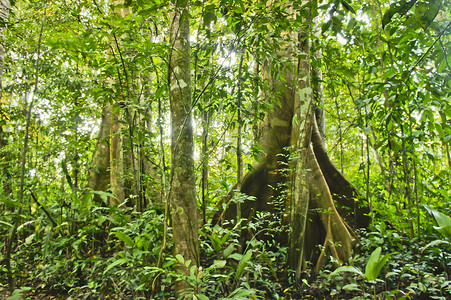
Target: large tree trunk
{"x": 315, "y": 182}
{"x": 183, "y": 193}
{"x": 116, "y": 161}
{"x": 99, "y": 173}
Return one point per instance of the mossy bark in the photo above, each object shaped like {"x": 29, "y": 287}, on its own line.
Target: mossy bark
{"x": 116, "y": 162}
{"x": 99, "y": 173}
{"x": 182, "y": 194}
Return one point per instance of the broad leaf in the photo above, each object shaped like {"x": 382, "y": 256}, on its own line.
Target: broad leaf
{"x": 435, "y": 243}
{"x": 124, "y": 238}
{"x": 347, "y": 6}
{"x": 243, "y": 263}
{"x": 371, "y": 264}
{"x": 117, "y": 262}
{"x": 401, "y": 8}
{"x": 347, "y": 269}
{"x": 375, "y": 264}
{"x": 443, "y": 222}
{"x": 425, "y": 12}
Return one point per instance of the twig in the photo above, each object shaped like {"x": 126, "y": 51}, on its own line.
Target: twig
{"x": 427, "y": 52}
{"x": 43, "y": 209}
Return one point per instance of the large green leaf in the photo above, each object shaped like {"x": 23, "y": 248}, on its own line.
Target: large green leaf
{"x": 117, "y": 262}
{"x": 426, "y": 11}
{"x": 442, "y": 221}
{"x": 372, "y": 262}
{"x": 347, "y": 6}
{"x": 243, "y": 263}
{"x": 375, "y": 264}
{"x": 435, "y": 243}
{"x": 401, "y": 8}
{"x": 350, "y": 269}
{"x": 124, "y": 238}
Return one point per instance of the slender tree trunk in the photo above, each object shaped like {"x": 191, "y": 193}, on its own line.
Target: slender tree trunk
{"x": 4, "y": 14}
{"x": 4, "y": 159}
{"x": 239, "y": 151}
{"x": 205, "y": 159}
{"x": 183, "y": 194}
{"x": 23, "y": 160}
{"x": 9, "y": 239}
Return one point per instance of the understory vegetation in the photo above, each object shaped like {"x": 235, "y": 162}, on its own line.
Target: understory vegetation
{"x": 112, "y": 256}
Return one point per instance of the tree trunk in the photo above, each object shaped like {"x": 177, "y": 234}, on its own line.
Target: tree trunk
{"x": 4, "y": 13}
{"x": 4, "y": 157}
{"x": 107, "y": 171}
{"x": 99, "y": 173}
{"x": 116, "y": 160}
{"x": 183, "y": 193}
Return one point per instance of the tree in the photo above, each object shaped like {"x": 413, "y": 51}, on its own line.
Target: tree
{"x": 107, "y": 170}
{"x": 99, "y": 172}
{"x": 315, "y": 182}
{"x": 182, "y": 190}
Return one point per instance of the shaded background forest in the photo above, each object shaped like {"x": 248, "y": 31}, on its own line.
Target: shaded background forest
{"x": 85, "y": 144}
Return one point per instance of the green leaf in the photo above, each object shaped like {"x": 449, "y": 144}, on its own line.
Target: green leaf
{"x": 435, "y": 243}
{"x": 347, "y": 269}
{"x": 180, "y": 259}
{"x": 6, "y": 223}
{"x": 243, "y": 263}
{"x": 236, "y": 256}
{"x": 29, "y": 239}
{"x": 443, "y": 222}
{"x": 426, "y": 11}
{"x": 120, "y": 261}
{"x": 351, "y": 287}
{"x": 440, "y": 130}
{"x": 375, "y": 264}
{"x": 124, "y": 238}
{"x": 371, "y": 264}
{"x": 201, "y": 297}
{"x": 218, "y": 264}
{"x": 325, "y": 27}
{"x": 18, "y": 293}
{"x": 241, "y": 293}
{"x": 227, "y": 251}
{"x": 401, "y": 8}
{"x": 381, "y": 264}
{"x": 347, "y": 6}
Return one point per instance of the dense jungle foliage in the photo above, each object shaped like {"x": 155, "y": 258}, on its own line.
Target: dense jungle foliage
{"x": 87, "y": 110}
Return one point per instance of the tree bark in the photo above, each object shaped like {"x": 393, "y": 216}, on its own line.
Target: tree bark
{"x": 99, "y": 173}
{"x": 116, "y": 160}
{"x": 182, "y": 195}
